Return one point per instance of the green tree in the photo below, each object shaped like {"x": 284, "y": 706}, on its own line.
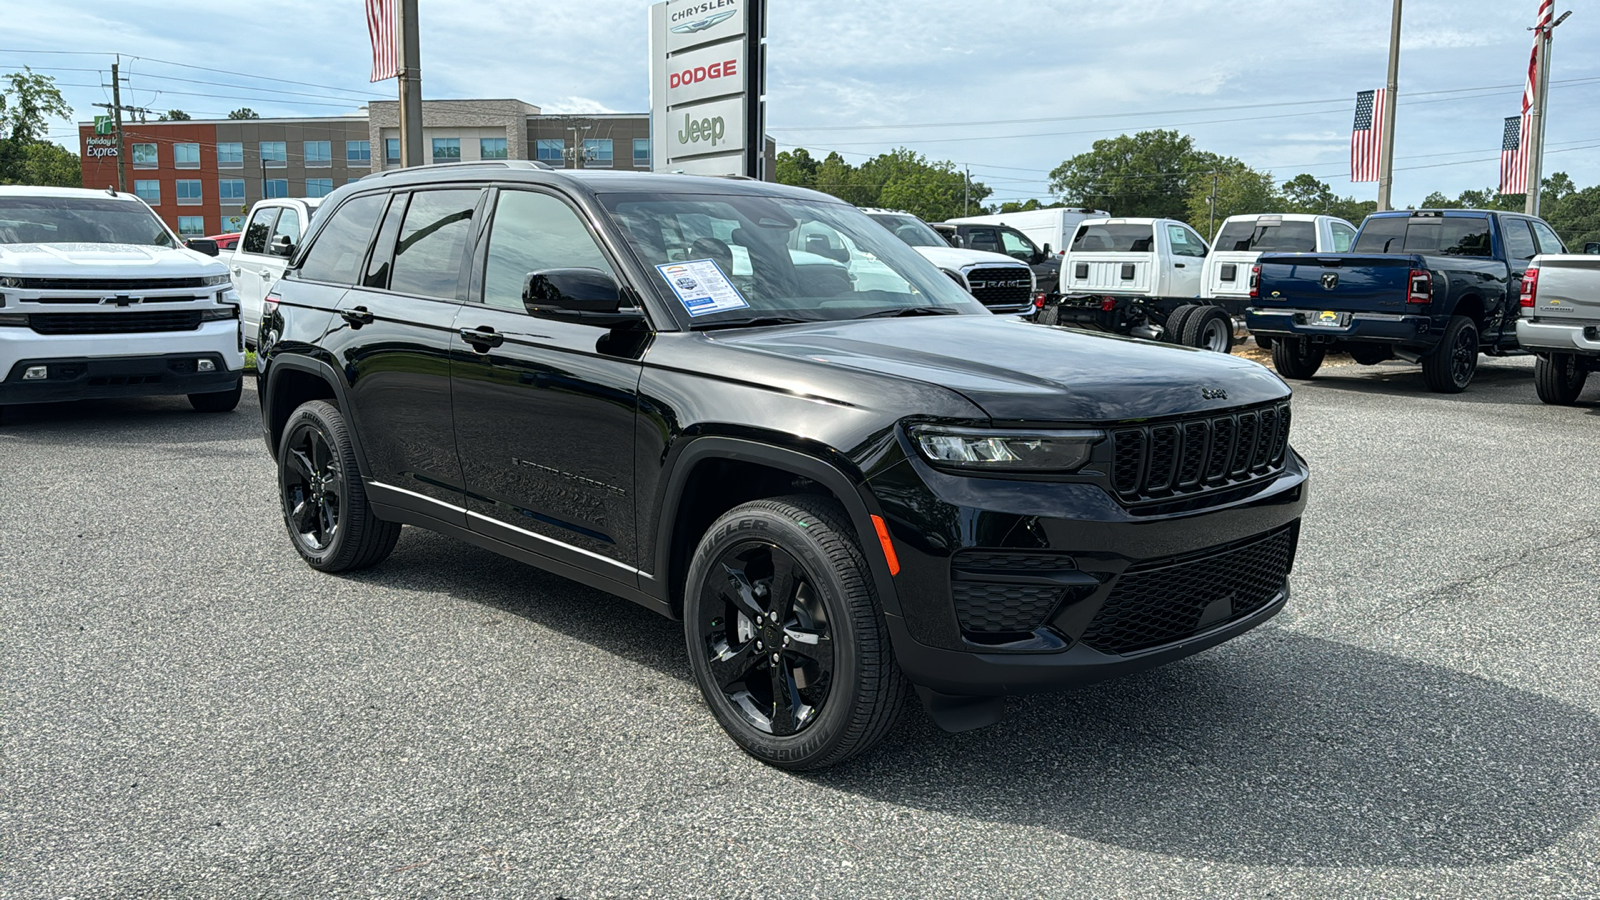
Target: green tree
{"x": 27, "y": 104}
{"x": 52, "y": 165}
{"x": 797, "y": 167}
{"x": 1013, "y": 206}
{"x": 1305, "y": 194}
{"x": 1239, "y": 189}
{"x": 1151, "y": 173}
{"x": 175, "y": 115}
{"x": 244, "y": 112}
{"x": 901, "y": 179}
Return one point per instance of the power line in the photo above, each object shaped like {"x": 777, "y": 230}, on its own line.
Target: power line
{"x": 364, "y": 93}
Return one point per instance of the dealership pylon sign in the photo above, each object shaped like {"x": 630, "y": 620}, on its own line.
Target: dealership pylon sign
{"x": 707, "y": 80}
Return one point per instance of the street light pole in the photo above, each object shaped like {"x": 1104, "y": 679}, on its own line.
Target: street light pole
{"x": 410, "y": 78}
{"x": 1390, "y": 100}
{"x": 1536, "y": 117}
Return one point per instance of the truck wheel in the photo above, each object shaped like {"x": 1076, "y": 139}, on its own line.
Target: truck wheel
{"x": 1451, "y": 365}
{"x": 1049, "y": 315}
{"x": 1559, "y": 378}
{"x": 1264, "y": 341}
{"x": 1297, "y": 357}
{"x": 1172, "y": 332}
{"x": 785, "y": 635}
{"x": 221, "y": 401}
{"x": 1371, "y": 354}
{"x": 324, "y": 502}
{"x": 1209, "y": 328}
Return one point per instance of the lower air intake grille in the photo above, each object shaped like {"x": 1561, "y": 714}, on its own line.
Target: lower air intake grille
{"x": 988, "y": 608}
{"x": 1160, "y": 602}
{"x": 113, "y": 323}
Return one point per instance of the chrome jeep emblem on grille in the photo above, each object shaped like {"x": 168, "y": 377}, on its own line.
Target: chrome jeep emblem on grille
{"x": 1330, "y": 280}
{"x": 1211, "y": 393}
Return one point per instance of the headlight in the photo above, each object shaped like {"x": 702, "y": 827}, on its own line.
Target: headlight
{"x": 1006, "y": 451}
{"x": 6, "y": 281}
{"x": 211, "y": 280}
{"x": 219, "y": 314}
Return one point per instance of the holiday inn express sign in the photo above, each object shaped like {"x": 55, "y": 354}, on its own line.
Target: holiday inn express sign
{"x": 706, "y": 67}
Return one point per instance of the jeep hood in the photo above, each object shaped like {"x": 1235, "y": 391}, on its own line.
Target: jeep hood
{"x": 1018, "y": 371}
{"x": 101, "y": 261}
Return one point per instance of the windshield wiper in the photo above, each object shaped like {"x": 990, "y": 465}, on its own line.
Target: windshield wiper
{"x": 912, "y": 311}
{"x": 750, "y": 322}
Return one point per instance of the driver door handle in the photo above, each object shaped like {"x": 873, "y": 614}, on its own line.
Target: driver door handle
{"x": 356, "y": 317}
{"x": 483, "y": 338}
{"x": 1177, "y": 265}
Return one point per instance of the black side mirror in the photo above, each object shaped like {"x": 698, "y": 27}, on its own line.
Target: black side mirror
{"x": 1046, "y": 248}
{"x": 202, "y": 245}
{"x": 1592, "y": 248}
{"x": 281, "y": 246}
{"x": 588, "y": 296}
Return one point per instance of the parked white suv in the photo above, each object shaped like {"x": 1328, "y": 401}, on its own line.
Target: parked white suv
{"x": 98, "y": 298}
{"x": 271, "y": 234}
{"x": 999, "y": 282}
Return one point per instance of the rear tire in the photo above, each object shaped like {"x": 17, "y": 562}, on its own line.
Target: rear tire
{"x": 1371, "y": 354}
{"x": 325, "y": 504}
{"x": 1451, "y": 365}
{"x": 1297, "y": 357}
{"x": 1172, "y": 332}
{"x": 221, "y": 401}
{"x": 786, "y": 637}
{"x": 1559, "y": 378}
{"x": 1209, "y": 328}
{"x": 1264, "y": 341}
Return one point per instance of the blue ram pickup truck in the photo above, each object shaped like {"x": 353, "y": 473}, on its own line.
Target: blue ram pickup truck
{"x": 1431, "y": 286}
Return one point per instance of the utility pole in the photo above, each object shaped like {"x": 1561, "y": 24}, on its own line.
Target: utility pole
{"x": 1391, "y": 97}
{"x": 1536, "y": 117}
{"x": 966, "y": 192}
{"x": 117, "y": 109}
{"x": 410, "y": 78}
{"x": 1211, "y": 201}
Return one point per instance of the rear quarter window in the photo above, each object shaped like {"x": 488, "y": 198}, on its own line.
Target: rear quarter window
{"x": 335, "y": 257}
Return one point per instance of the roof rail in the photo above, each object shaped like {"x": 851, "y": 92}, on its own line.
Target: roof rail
{"x": 468, "y": 164}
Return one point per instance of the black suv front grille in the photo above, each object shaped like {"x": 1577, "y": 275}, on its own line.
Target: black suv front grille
{"x": 1189, "y": 456}
{"x": 1163, "y": 601}
{"x": 113, "y": 322}
{"x": 1001, "y": 287}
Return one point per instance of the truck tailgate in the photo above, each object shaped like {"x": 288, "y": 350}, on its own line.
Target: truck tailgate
{"x": 1228, "y": 273}
{"x": 1569, "y": 287}
{"x": 1102, "y": 273}
{"x": 1342, "y": 282}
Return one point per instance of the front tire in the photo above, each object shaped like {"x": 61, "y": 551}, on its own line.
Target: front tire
{"x": 1559, "y": 378}
{"x": 218, "y": 402}
{"x": 325, "y": 504}
{"x": 1297, "y": 357}
{"x": 786, "y": 637}
{"x": 1451, "y": 365}
{"x": 1209, "y": 328}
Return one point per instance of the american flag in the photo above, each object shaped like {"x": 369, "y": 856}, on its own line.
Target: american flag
{"x": 380, "y": 25}
{"x": 1514, "y": 158}
{"x": 1367, "y": 136}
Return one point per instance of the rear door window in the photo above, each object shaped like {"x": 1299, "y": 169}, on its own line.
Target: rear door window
{"x": 340, "y": 246}
{"x": 259, "y": 230}
{"x": 1519, "y": 241}
{"x": 985, "y": 239}
{"x": 433, "y": 241}
{"x": 1104, "y": 238}
{"x": 1344, "y": 237}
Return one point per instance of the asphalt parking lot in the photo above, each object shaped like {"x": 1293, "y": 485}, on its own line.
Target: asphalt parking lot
{"x": 189, "y": 711}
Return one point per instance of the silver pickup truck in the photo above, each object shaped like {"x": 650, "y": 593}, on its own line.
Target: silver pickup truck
{"x": 1561, "y": 322}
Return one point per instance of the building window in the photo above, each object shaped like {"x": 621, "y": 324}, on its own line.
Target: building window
{"x": 232, "y": 224}
{"x": 148, "y": 191}
{"x": 275, "y": 154}
{"x": 230, "y": 190}
{"x": 145, "y": 156}
{"x": 641, "y": 152}
{"x": 319, "y": 187}
{"x": 492, "y": 148}
{"x": 230, "y": 155}
{"x": 277, "y": 187}
{"x": 319, "y": 154}
{"x": 353, "y": 179}
{"x": 446, "y": 150}
{"x": 552, "y": 150}
{"x": 358, "y": 153}
{"x": 391, "y": 150}
{"x": 597, "y": 152}
{"x": 191, "y": 226}
{"x": 186, "y": 156}
{"x": 189, "y": 192}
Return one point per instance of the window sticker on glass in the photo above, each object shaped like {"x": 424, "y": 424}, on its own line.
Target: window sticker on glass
{"x": 701, "y": 287}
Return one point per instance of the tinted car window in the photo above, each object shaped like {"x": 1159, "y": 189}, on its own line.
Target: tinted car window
{"x": 985, "y": 239}
{"x": 383, "y": 246}
{"x": 531, "y": 232}
{"x": 342, "y": 243}
{"x": 1017, "y": 245}
{"x": 288, "y": 226}
{"x": 433, "y": 244}
{"x": 1548, "y": 242}
{"x": 1447, "y": 235}
{"x": 1185, "y": 242}
{"x": 1519, "y": 241}
{"x": 1282, "y": 237}
{"x": 1113, "y": 239}
{"x": 259, "y": 229}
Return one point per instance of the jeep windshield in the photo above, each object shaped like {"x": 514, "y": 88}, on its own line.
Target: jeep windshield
{"x": 910, "y": 229}
{"x": 723, "y": 260}
{"x": 80, "y": 220}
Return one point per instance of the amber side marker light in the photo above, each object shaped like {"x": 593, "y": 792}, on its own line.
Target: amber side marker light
{"x": 888, "y": 547}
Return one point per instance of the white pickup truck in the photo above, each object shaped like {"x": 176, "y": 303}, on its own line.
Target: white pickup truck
{"x": 98, "y": 299}
{"x": 1002, "y": 284}
{"x": 271, "y": 235}
{"x": 1560, "y": 322}
{"x": 1241, "y": 240}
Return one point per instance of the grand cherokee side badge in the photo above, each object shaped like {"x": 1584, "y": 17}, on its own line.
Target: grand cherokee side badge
{"x": 1214, "y": 393}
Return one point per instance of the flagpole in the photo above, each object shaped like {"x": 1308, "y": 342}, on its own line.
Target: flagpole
{"x": 1536, "y": 117}
{"x": 410, "y": 78}
{"x": 1390, "y": 98}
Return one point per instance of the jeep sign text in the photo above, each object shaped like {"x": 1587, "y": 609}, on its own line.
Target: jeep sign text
{"x": 694, "y": 131}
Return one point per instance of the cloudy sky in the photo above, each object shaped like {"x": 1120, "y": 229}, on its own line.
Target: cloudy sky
{"x": 1269, "y": 81}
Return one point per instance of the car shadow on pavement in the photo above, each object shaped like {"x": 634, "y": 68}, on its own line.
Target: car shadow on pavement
{"x": 1491, "y": 384}
{"x": 135, "y": 420}
{"x": 1274, "y": 749}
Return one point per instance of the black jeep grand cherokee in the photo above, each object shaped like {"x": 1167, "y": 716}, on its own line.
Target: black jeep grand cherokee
{"x": 844, "y": 475}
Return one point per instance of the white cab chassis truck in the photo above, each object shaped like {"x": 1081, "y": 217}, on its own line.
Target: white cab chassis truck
{"x": 99, "y": 299}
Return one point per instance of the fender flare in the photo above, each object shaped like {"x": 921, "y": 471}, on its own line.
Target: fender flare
{"x": 859, "y": 505}
{"x": 322, "y": 371}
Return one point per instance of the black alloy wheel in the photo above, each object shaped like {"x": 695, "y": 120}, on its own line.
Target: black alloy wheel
{"x": 785, "y": 635}
{"x": 324, "y": 501}
{"x": 1559, "y": 378}
{"x": 1450, "y": 367}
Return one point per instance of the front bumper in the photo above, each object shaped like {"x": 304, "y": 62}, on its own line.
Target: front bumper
{"x": 1582, "y": 338}
{"x": 1111, "y": 590}
{"x": 1374, "y": 328}
{"x": 93, "y": 378}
